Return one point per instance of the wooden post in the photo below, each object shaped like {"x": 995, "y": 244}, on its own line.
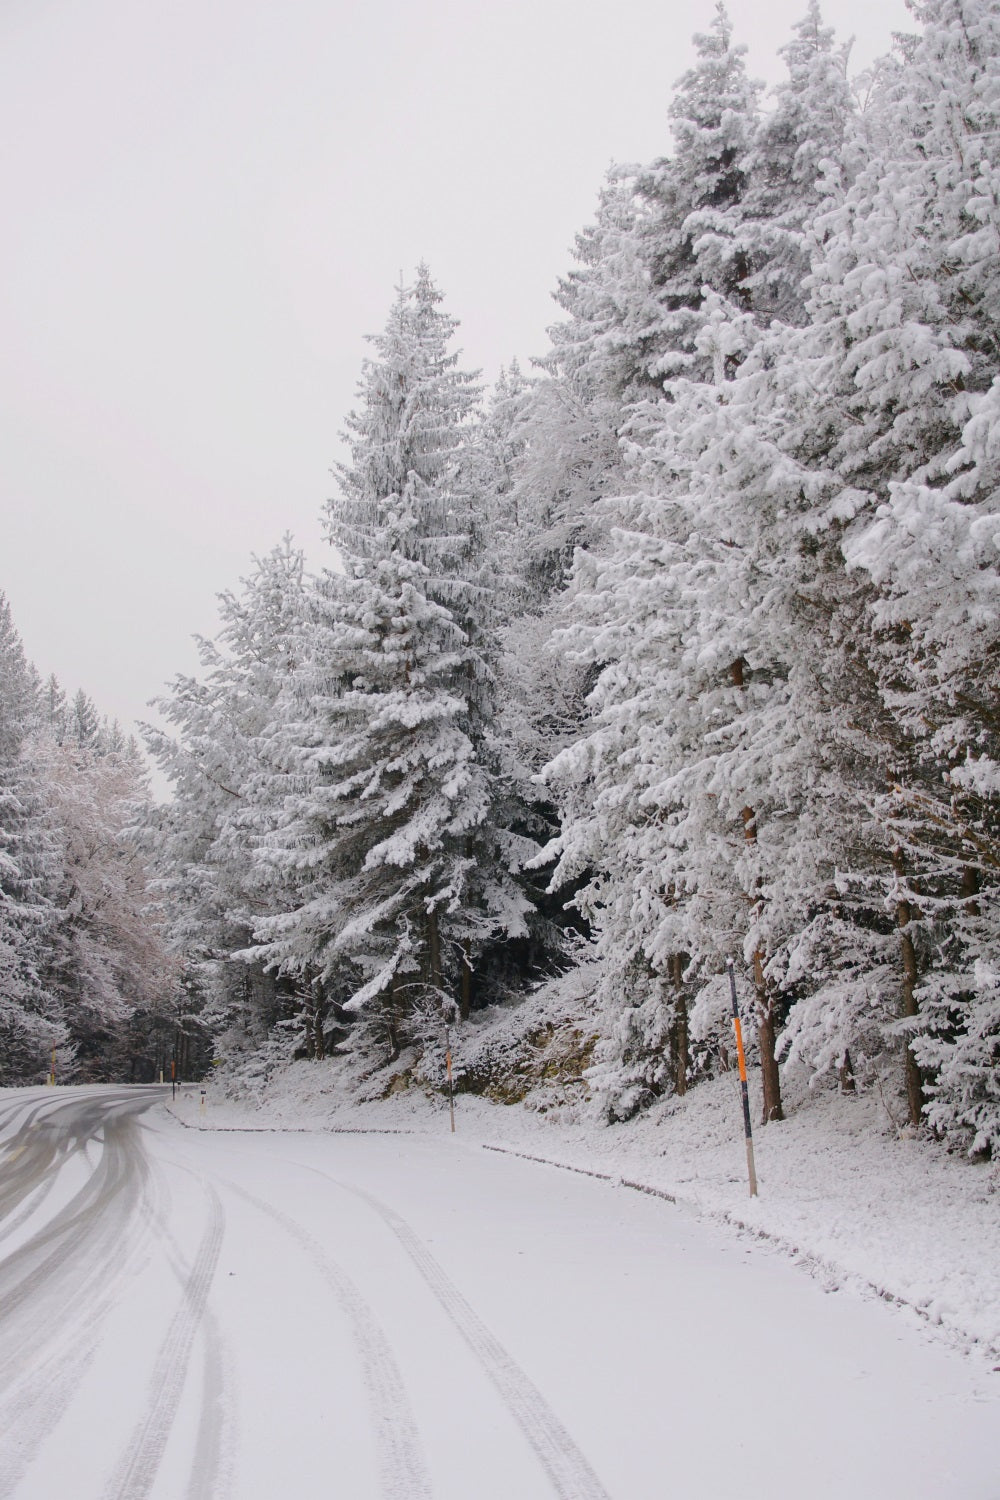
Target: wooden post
{"x": 751, "y": 1170}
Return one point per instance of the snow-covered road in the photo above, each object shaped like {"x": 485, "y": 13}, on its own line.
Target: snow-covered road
{"x": 199, "y": 1315}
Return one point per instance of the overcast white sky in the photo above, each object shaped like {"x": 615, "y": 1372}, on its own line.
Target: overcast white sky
{"x": 207, "y": 204}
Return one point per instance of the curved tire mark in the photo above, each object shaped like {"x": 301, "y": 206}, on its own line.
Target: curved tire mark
{"x": 137, "y": 1471}
{"x": 59, "y": 1287}
{"x": 568, "y": 1470}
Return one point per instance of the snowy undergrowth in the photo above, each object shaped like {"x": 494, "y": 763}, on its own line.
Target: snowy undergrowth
{"x": 840, "y": 1190}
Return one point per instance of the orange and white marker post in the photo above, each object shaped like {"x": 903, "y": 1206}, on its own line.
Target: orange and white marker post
{"x": 743, "y": 1080}
{"x": 447, "y": 1064}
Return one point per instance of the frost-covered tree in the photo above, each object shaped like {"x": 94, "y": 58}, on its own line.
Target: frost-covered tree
{"x": 796, "y": 163}
{"x": 571, "y": 417}
{"x": 30, "y": 1015}
{"x": 203, "y": 839}
{"x": 908, "y": 291}
{"x": 80, "y": 944}
{"x": 692, "y": 232}
{"x": 105, "y": 956}
{"x": 628, "y": 609}
{"x": 402, "y": 870}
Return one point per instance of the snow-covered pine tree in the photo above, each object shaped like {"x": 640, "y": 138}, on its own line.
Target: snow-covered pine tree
{"x": 202, "y": 841}
{"x": 866, "y": 408}
{"x": 403, "y": 874}
{"x": 571, "y": 416}
{"x": 692, "y": 231}
{"x": 909, "y": 290}
{"x": 627, "y": 603}
{"x": 796, "y": 162}
{"x": 30, "y": 1016}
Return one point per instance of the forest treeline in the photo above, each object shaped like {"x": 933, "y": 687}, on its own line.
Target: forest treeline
{"x": 89, "y": 990}
{"x": 681, "y": 647}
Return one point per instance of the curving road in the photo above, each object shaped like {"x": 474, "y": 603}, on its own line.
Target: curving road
{"x": 196, "y": 1315}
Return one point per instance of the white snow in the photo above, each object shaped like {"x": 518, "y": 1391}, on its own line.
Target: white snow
{"x": 318, "y": 1309}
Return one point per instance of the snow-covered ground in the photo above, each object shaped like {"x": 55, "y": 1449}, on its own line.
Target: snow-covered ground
{"x": 842, "y": 1191}
{"x": 219, "y": 1308}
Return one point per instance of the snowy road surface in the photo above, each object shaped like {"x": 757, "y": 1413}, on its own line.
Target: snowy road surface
{"x": 198, "y": 1315}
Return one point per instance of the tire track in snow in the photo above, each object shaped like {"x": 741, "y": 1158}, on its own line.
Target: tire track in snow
{"x": 402, "y": 1467}
{"x": 569, "y": 1471}
{"x": 58, "y": 1288}
{"x": 211, "y": 1477}
{"x": 140, "y": 1463}
{"x": 51, "y": 1275}
{"x": 211, "y": 1464}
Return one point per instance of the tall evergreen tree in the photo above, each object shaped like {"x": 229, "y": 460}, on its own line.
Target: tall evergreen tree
{"x": 30, "y": 1017}
{"x": 403, "y": 874}
{"x": 203, "y": 839}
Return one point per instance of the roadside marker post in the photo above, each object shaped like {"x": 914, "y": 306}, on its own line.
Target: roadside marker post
{"x": 52, "y": 1071}
{"x": 173, "y": 1078}
{"x": 751, "y": 1170}
{"x": 201, "y": 1106}
{"x": 447, "y": 1064}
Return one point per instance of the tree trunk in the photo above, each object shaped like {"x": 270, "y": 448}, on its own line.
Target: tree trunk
{"x": 319, "y": 1047}
{"x": 908, "y": 1000}
{"x": 392, "y": 1019}
{"x": 766, "y": 1040}
{"x": 970, "y": 889}
{"x": 465, "y": 994}
{"x": 847, "y": 1083}
{"x": 679, "y": 1032}
{"x": 434, "y": 948}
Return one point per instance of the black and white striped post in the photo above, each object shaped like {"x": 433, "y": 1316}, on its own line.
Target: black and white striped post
{"x": 751, "y": 1170}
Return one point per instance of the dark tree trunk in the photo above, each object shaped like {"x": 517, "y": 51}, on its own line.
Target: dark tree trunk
{"x": 319, "y": 1047}
{"x": 908, "y": 999}
{"x": 434, "y": 949}
{"x": 766, "y": 1020}
{"x": 679, "y": 1034}
{"x": 970, "y": 889}
{"x": 766, "y": 1040}
{"x": 847, "y": 1083}
{"x": 392, "y": 1019}
{"x": 465, "y": 994}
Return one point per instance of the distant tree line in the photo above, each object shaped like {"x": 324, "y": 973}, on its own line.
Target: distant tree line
{"x": 88, "y": 989}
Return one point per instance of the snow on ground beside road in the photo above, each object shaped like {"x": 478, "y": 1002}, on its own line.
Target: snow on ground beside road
{"x": 839, "y": 1189}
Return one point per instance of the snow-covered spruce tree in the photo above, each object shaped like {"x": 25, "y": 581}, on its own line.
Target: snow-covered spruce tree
{"x": 908, "y": 293}
{"x": 796, "y": 162}
{"x": 202, "y": 840}
{"x": 30, "y": 1016}
{"x": 402, "y": 872}
{"x": 844, "y": 403}
{"x": 567, "y": 457}
{"x": 571, "y": 415}
{"x": 622, "y": 604}
{"x": 512, "y": 709}
{"x": 692, "y": 228}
